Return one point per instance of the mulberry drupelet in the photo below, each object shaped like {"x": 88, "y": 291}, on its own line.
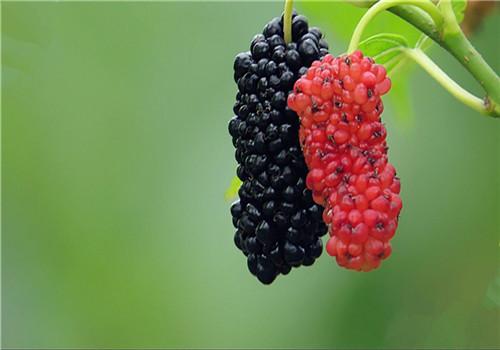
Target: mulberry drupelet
{"x": 278, "y": 225}
{"x": 343, "y": 140}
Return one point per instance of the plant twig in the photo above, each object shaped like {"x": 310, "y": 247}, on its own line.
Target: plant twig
{"x": 426, "y": 5}
{"x": 448, "y": 83}
{"x": 447, "y": 33}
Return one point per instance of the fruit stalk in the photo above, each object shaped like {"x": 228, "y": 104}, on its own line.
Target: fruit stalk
{"x": 287, "y": 21}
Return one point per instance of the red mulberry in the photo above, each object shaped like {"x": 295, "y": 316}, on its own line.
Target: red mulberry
{"x": 278, "y": 226}
{"x": 343, "y": 141}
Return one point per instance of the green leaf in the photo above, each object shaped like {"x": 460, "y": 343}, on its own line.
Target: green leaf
{"x": 459, "y": 7}
{"x": 399, "y": 96}
{"x": 232, "y": 190}
{"x": 384, "y": 48}
{"x": 400, "y": 71}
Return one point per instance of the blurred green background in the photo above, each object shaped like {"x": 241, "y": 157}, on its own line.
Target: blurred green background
{"x": 116, "y": 156}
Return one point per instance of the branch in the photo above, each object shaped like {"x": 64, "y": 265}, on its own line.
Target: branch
{"x": 449, "y": 84}
{"x": 446, "y": 33}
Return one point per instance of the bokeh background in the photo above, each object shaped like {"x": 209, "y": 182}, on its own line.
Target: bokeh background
{"x": 116, "y": 156}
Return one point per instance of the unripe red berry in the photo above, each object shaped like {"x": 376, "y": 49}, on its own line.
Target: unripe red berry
{"x": 369, "y": 79}
{"x": 343, "y": 141}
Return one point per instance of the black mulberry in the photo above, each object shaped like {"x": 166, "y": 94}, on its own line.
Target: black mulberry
{"x": 276, "y": 221}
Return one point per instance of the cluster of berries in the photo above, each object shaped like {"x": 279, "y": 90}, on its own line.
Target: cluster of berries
{"x": 311, "y": 152}
{"x": 343, "y": 141}
{"x": 278, "y": 225}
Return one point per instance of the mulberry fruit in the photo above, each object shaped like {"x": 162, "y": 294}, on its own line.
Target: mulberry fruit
{"x": 278, "y": 225}
{"x": 344, "y": 145}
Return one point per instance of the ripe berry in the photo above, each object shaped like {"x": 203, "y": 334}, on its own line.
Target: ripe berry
{"x": 343, "y": 141}
{"x": 278, "y": 225}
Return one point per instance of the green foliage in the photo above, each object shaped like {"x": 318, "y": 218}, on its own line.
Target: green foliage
{"x": 232, "y": 190}
{"x": 459, "y": 7}
{"x": 384, "y": 48}
{"x": 399, "y": 98}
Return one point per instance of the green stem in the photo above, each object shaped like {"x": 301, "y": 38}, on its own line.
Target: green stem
{"x": 452, "y": 39}
{"x": 451, "y": 25}
{"x": 459, "y": 46}
{"x": 287, "y": 21}
{"x": 426, "y": 5}
{"x": 446, "y": 82}
{"x": 418, "y": 19}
